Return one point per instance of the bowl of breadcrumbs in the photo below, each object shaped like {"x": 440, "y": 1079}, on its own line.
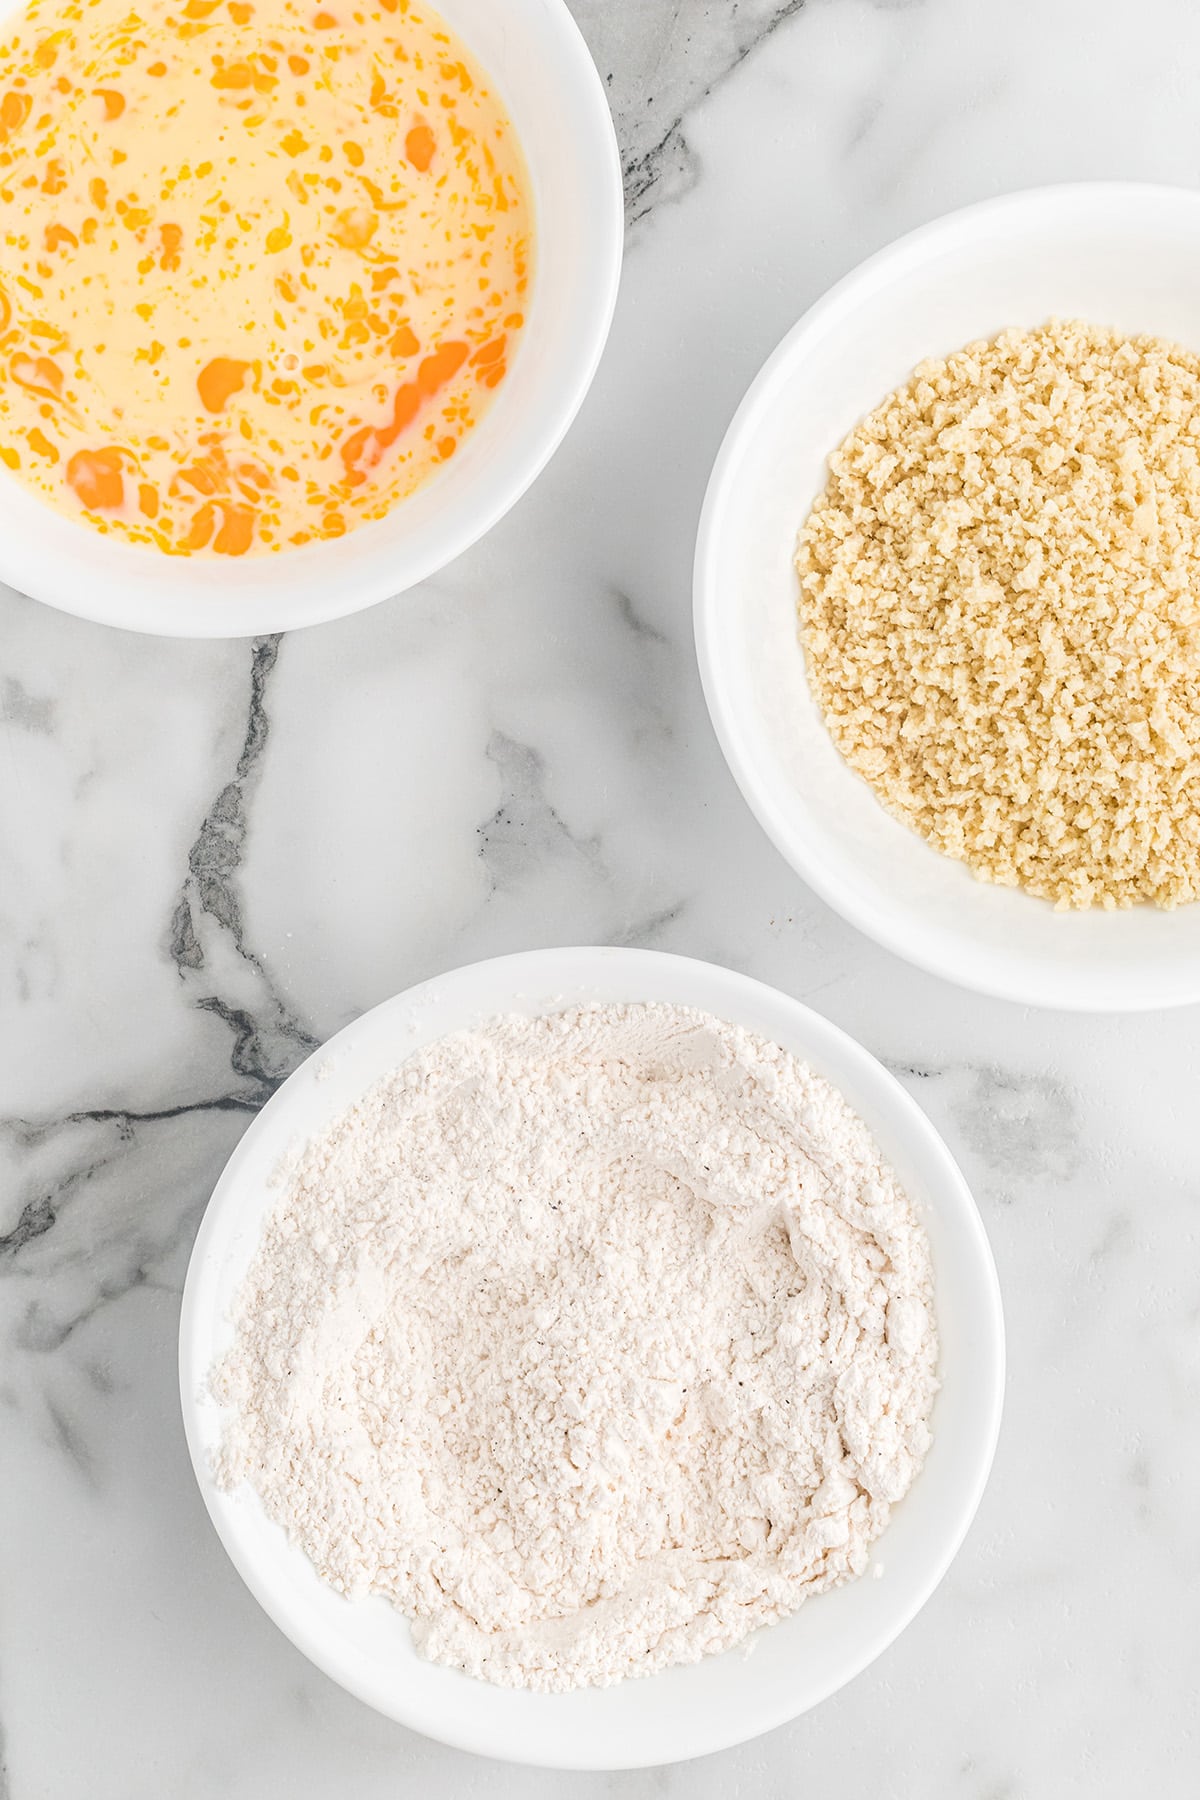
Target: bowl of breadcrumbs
{"x": 948, "y": 597}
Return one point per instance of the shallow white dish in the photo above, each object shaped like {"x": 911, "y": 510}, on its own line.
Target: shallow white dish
{"x": 365, "y": 1645}
{"x": 1117, "y": 254}
{"x": 534, "y": 53}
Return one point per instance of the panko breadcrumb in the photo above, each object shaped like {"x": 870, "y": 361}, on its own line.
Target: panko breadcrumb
{"x": 999, "y": 610}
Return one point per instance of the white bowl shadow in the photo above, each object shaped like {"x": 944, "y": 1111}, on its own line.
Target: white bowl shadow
{"x": 784, "y": 1669}
{"x": 1120, "y": 255}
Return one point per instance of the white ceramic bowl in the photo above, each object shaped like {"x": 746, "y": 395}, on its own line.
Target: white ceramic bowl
{"x": 533, "y": 51}
{"x": 365, "y": 1645}
{"x": 1120, "y": 255}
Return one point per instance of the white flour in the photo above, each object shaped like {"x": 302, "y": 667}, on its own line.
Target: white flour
{"x": 593, "y": 1342}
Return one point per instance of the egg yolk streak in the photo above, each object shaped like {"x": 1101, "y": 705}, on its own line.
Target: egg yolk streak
{"x": 262, "y": 266}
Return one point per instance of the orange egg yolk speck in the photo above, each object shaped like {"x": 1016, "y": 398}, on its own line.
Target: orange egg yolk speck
{"x": 278, "y": 337}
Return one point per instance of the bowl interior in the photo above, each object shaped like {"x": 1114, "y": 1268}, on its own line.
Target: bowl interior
{"x": 684, "y": 1712}
{"x": 534, "y": 53}
{"x": 1121, "y": 256}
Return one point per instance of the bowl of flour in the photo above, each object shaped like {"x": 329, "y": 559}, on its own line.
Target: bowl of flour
{"x": 591, "y": 1358}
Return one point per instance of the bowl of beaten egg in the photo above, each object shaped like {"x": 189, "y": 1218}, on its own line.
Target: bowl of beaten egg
{"x": 947, "y": 596}
{"x": 295, "y": 299}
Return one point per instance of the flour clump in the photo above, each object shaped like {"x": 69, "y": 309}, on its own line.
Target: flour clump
{"x": 592, "y": 1341}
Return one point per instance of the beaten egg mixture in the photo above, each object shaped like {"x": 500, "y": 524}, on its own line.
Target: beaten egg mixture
{"x": 262, "y": 265}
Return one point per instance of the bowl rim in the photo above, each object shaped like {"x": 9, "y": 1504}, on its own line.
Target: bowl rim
{"x": 544, "y": 979}
{"x": 1004, "y": 975}
{"x": 60, "y": 589}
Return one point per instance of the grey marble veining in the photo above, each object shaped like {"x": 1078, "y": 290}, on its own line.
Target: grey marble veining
{"x": 208, "y": 944}
{"x": 658, "y": 63}
{"x": 217, "y": 854}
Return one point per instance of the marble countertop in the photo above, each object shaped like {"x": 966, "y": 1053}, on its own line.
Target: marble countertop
{"x": 217, "y": 854}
